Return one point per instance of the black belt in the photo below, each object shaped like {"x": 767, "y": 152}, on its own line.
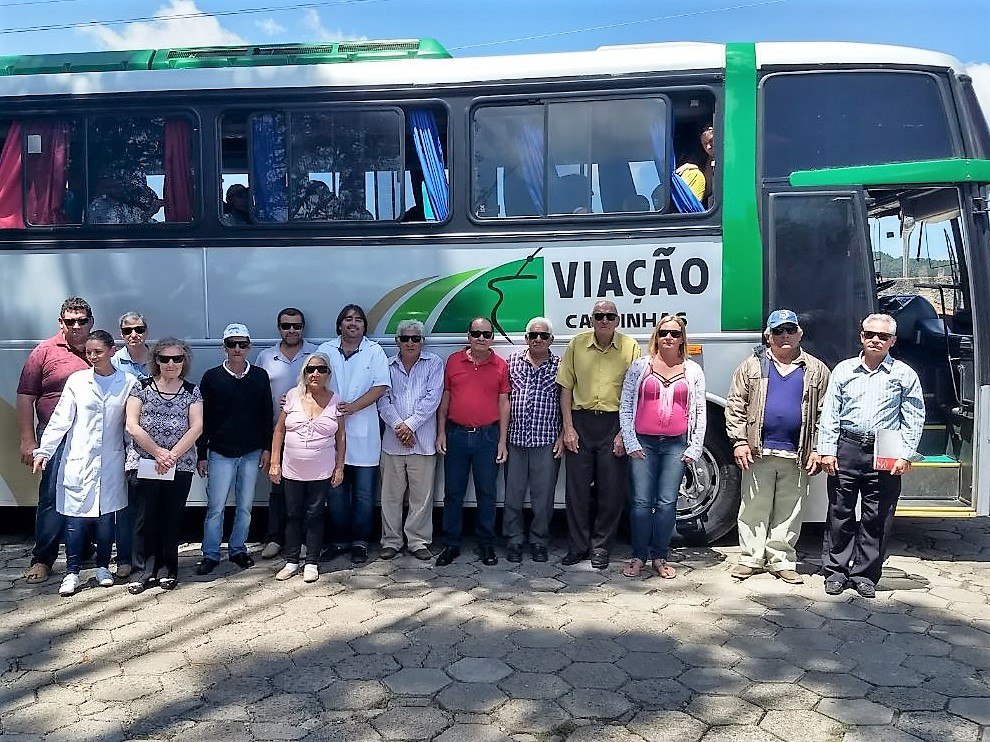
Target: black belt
{"x": 595, "y": 412}
{"x": 467, "y": 429}
{"x": 863, "y": 440}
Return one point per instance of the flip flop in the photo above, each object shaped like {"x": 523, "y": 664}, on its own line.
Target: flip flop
{"x": 664, "y": 570}
{"x": 37, "y": 573}
{"x": 633, "y": 567}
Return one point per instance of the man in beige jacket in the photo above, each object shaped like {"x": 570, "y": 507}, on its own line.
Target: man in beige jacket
{"x": 771, "y": 417}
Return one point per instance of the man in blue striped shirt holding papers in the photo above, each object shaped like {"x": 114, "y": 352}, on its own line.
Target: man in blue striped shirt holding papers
{"x": 865, "y": 394}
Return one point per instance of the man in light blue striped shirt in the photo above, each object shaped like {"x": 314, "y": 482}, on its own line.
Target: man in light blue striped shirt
{"x": 865, "y": 394}
{"x": 409, "y": 446}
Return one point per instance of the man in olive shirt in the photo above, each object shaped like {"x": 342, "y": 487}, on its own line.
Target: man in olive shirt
{"x": 590, "y": 376}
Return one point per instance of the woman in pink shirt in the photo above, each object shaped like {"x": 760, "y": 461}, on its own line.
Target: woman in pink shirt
{"x": 662, "y": 418}
{"x": 308, "y": 455}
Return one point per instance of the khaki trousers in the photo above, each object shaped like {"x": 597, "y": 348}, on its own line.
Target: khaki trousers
{"x": 773, "y": 490}
{"x": 413, "y": 474}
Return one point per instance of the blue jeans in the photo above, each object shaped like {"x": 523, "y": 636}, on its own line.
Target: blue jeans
{"x": 470, "y": 452}
{"x": 76, "y": 538}
{"x": 242, "y": 473}
{"x": 656, "y": 481}
{"x": 49, "y": 523}
{"x": 351, "y": 506}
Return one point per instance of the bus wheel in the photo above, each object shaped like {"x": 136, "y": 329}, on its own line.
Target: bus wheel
{"x": 709, "y": 499}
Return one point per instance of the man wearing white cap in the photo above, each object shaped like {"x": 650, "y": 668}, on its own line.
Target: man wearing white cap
{"x": 236, "y": 443}
{"x": 771, "y": 417}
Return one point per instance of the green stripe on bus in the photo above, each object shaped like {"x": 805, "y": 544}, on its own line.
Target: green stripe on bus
{"x": 421, "y": 304}
{"x": 926, "y": 171}
{"x": 742, "y": 244}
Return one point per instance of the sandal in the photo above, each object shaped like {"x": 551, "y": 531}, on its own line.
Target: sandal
{"x": 37, "y": 573}
{"x": 633, "y": 567}
{"x": 664, "y": 570}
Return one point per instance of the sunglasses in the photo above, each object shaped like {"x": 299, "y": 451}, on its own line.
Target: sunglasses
{"x": 669, "y": 333}
{"x": 600, "y": 316}
{"x": 291, "y": 325}
{"x": 870, "y": 334}
{"x": 410, "y": 338}
{"x": 487, "y": 334}
{"x": 242, "y": 344}
{"x": 75, "y": 322}
{"x": 538, "y": 336}
{"x": 138, "y": 330}
{"x": 317, "y": 369}
{"x": 170, "y": 359}
{"x": 781, "y": 329}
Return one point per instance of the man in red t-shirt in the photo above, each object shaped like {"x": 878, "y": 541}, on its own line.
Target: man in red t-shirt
{"x": 38, "y": 391}
{"x": 473, "y": 425}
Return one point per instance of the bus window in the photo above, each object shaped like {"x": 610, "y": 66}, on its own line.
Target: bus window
{"x": 837, "y": 119}
{"x": 139, "y": 170}
{"x": 53, "y": 171}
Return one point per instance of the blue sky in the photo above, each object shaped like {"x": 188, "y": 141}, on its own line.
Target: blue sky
{"x": 469, "y": 27}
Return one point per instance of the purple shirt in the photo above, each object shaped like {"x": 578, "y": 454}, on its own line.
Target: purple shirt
{"x": 45, "y": 373}
{"x": 534, "y": 401}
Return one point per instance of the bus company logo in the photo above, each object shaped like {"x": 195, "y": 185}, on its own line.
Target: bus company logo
{"x": 509, "y": 295}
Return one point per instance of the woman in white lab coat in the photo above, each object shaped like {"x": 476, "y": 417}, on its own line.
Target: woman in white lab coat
{"x": 92, "y": 486}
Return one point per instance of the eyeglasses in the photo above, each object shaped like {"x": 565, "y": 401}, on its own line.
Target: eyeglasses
{"x": 410, "y": 338}
{"x": 538, "y": 336}
{"x": 137, "y": 330}
{"x": 610, "y": 316}
{"x": 291, "y": 325}
{"x": 242, "y": 344}
{"x": 870, "y": 334}
{"x": 487, "y": 334}
{"x": 781, "y": 329}
{"x": 170, "y": 359}
{"x": 75, "y": 322}
{"x": 317, "y": 369}
{"x": 669, "y": 333}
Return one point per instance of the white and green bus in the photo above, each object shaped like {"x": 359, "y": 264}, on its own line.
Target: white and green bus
{"x": 847, "y": 179}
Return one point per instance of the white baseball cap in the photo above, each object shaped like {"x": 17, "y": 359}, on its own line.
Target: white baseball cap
{"x": 236, "y": 330}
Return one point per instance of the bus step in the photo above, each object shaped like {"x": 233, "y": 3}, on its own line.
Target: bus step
{"x": 934, "y": 478}
{"x": 934, "y": 508}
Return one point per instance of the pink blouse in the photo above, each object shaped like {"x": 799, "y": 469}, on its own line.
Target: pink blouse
{"x": 661, "y": 409}
{"x": 310, "y": 449}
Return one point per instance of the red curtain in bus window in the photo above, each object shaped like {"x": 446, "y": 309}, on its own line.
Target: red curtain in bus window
{"x": 178, "y": 171}
{"x": 45, "y": 171}
{"x": 11, "y": 192}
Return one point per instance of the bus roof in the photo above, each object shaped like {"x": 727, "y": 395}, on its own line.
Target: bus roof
{"x": 434, "y": 67}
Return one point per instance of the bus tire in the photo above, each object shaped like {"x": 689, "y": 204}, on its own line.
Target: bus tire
{"x": 708, "y": 506}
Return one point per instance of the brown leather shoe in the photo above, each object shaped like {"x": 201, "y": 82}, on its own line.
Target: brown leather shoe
{"x": 742, "y": 571}
{"x": 788, "y": 575}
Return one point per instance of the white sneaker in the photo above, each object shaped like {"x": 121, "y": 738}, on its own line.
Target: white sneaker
{"x": 70, "y": 583}
{"x": 271, "y": 550}
{"x": 311, "y": 573}
{"x": 103, "y": 577}
{"x": 291, "y": 569}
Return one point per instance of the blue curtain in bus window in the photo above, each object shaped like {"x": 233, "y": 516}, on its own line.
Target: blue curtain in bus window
{"x": 683, "y": 197}
{"x": 423, "y": 127}
{"x": 269, "y": 169}
{"x": 531, "y": 155}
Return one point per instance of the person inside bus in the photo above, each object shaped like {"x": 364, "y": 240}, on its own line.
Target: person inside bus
{"x": 692, "y": 175}
{"x": 237, "y": 206}
{"x": 570, "y": 195}
{"x": 120, "y": 202}
{"x": 316, "y": 203}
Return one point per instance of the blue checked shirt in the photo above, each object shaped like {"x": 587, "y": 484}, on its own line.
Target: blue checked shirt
{"x": 861, "y": 401}
{"x": 534, "y": 401}
{"x": 413, "y": 399}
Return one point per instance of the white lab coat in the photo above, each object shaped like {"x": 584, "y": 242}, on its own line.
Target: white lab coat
{"x": 91, "y": 474}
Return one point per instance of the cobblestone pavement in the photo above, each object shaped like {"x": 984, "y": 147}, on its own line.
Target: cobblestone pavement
{"x": 533, "y": 652}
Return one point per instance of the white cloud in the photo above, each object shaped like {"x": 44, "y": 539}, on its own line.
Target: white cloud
{"x": 179, "y": 23}
{"x": 319, "y": 32}
{"x": 270, "y": 26}
{"x": 980, "y": 72}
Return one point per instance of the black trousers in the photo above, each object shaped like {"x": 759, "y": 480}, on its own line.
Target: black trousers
{"x": 276, "y": 514}
{"x": 854, "y": 550}
{"x": 157, "y": 518}
{"x": 305, "y": 505}
{"x": 594, "y": 463}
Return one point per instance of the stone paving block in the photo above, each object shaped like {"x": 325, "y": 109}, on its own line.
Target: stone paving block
{"x": 884, "y": 673}
{"x": 354, "y": 694}
{"x": 278, "y": 731}
{"x": 411, "y": 723}
{"x": 603, "y": 733}
{"x": 908, "y": 699}
{"x": 285, "y": 708}
{"x": 938, "y": 726}
{"x": 651, "y": 665}
{"x": 714, "y": 680}
{"x": 415, "y": 681}
{"x": 768, "y": 670}
{"x": 602, "y": 675}
{"x": 126, "y": 688}
{"x": 667, "y": 726}
{"x": 537, "y": 659}
{"x": 780, "y": 696}
{"x": 473, "y": 733}
{"x": 855, "y": 711}
{"x": 480, "y": 698}
{"x": 976, "y": 709}
{"x": 595, "y": 704}
{"x": 724, "y": 710}
{"x": 39, "y": 718}
{"x": 366, "y": 667}
{"x": 304, "y": 679}
{"x": 593, "y": 650}
{"x": 243, "y": 689}
{"x": 656, "y": 694}
{"x": 215, "y": 730}
{"x": 877, "y": 734}
{"x": 738, "y": 733}
{"x": 539, "y": 638}
{"x": 486, "y": 646}
{"x": 479, "y": 670}
{"x": 534, "y": 716}
{"x": 381, "y": 642}
{"x": 834, "y": 685}
{"x": 534, "y": 685}
{"x": 807, "y": 726}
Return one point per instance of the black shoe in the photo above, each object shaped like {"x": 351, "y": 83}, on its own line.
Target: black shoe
{"x": 835, "y": 587}
{"x": 448, "y": 555}
{"x": 387, "y": 552}
{"x": 359, "y": 554}
{"x": 513, "y": 553}
{"x": 540, "y": 553}
{"x": 865, "y": 589}
{"x": 242, "y": 560}
{"x": 168, "y": 583}
{"x": 329, "y": 553}
{"x": 573, "y": 557}
{"x": 206, "y": 566}
{"x": 488, "y": 557}
{"x": 599, "y": 558}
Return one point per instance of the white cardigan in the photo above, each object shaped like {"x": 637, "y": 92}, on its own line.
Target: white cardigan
{"x": 91, "y": 473}
{"x": 697, "y": 417}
